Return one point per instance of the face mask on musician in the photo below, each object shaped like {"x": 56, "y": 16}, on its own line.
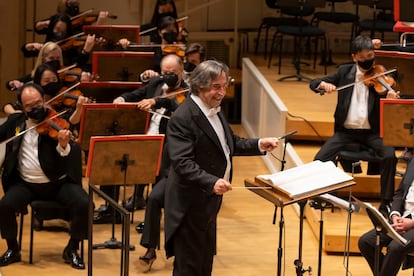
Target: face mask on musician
{"x": 52, "y": 88}
{"x": 170, "y": 37}
{"x": 59, "y": 35}
{"x": 170, "y": 79}
{"x": 189, "y": 67}
{"x": 37, "y": 113}
{"x": 366, "y": 64}
{"x": 72, "y": 9}
{"x": 55, "y": 64}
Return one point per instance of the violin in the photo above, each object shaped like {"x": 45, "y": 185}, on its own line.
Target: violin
{"x": 178, "y": 49}
{"x": 87, "y": 18}
{"x": 381, "y": 83}
{"x": 52, "y": 124}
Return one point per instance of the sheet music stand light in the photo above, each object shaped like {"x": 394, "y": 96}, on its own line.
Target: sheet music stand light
{"x": 125, "y": 160}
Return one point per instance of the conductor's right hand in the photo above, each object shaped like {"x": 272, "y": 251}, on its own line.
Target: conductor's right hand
{"x": 327, "y": 87}
{"x": 221, "y": 186}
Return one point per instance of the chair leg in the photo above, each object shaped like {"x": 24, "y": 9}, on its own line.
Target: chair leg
{"x": 21, "y": 230}
{"x": 325, "y": 50}
{"x": 272, "y": 45}
{"x": 31, "y": 238}
{"x": 280, "y": 52}
{"x": 258, "y": 38}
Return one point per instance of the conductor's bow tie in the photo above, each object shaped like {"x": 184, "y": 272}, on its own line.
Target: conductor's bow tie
{"x": 213, "y": 111}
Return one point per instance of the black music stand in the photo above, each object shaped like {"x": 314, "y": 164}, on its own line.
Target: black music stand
{"x": 297, "y": 59}
{"x": 107, "y": 91}
{"x": 125, "y": 160}
{"x": 112, "y": 34}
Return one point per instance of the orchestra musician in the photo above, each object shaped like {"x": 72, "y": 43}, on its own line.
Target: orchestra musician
{"x": 201, "y": 144}
{"x": 39, "y": 167}
{"x": 357, "y": 114}
{"x": 149, "y": 97}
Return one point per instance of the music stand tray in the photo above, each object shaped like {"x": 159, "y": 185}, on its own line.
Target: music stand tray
{"x": 111, "y": 119}
{"x": 120, "y": 159}
{"x": 397, "y": 122}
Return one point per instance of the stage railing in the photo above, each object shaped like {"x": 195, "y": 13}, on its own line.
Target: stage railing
{"x": 264, "y": 114}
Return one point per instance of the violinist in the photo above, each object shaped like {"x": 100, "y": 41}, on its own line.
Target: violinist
{"x": 148, "y": 97}
{"x": 60, "y": 29}
{"x": 357, "y": 114}
{"x": 38, "y": 166}
{"x": 70, "y": 8}
{"x": 194, "y": 55}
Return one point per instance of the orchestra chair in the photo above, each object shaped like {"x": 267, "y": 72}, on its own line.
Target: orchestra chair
{"x": 380, "y": 22}
{"x": 333, "y": 16}
{"x": 356, "y": 152}
{"x": 270, "y": 22}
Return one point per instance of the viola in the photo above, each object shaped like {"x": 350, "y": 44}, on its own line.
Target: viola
{"x": 178, "y": 49}
{"x": 381, "y": 82}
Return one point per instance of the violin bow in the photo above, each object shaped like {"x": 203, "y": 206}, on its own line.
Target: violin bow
{"x": 32, "y": 127}
{"x": 171, "y": 94}
{"x": 154, "y": 28}
{"x": 359, "y": 81}
{"x": 70, "y": 37}
{"x": 67, "y": 68}
{"x": 149, "y": 111}
{"x": 62, "y": 93}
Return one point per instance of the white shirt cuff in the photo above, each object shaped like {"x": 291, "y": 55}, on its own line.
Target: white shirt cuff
{"x": 63, "y": 151}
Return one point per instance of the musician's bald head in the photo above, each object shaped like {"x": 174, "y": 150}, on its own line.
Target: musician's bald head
{"x": 172, "y": 65}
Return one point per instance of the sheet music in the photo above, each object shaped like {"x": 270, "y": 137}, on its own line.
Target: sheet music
{"x": 307, "y": 178}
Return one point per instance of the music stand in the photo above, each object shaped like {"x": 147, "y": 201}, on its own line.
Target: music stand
{"x": 281, "y": 200}
{"x": 298, "y": 49}
{"x": 107, "y": 91}
{"x": 121, "y": 65}
{"x": 111, "y": 119}
{"x": 123, "y": 159}
{"x": 397, "y": 122}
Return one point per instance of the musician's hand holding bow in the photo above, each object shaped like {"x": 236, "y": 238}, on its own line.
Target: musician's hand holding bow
{"x": 327, "y": 87}
{"x": 103, "y": 15}
{"x": 221, "y": 186}
{"x": 64, "y": 136}
{"x": 393, "y": 94}
{"x": 148, "y": 74}
{"x": 124, "y": 43}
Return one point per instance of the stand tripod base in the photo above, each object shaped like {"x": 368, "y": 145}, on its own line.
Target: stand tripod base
{"x": 299, "y": 77}
{"x": 113, "y": 243}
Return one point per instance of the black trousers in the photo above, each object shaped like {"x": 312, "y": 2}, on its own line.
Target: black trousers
{"x": 19, "y": 195}
{"x": 155, "y": 202}
{"x": 329, "y": 151}
{"x": 390, "y": 263}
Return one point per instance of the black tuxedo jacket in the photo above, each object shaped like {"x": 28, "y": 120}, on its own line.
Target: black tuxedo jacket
{"x": 53, "y": 165}
{"x": 346, "y": 75}
{"x": 197, "y": 162}
{"x": 398, "y": 202}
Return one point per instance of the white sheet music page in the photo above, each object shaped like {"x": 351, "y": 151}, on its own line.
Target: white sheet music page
{"x": 307, "y": 178}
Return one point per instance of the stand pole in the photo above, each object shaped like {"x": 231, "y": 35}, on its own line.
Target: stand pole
{"x": 280, "y": 248}
{"x": 298, "y": 262}
{"x": 378, "y": 230}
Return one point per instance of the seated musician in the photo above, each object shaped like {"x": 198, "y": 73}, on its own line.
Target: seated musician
{"x": 167, "y": 44}
{"x": 60, "y": 28}
{"x": 171, "y": 80}
{"x": 357, "y": 114}
{"x": 401, "y": 217}
{"x": 51, "y": 54}
{"x": 70, "y": 8}
{"x": 39, "y": 167}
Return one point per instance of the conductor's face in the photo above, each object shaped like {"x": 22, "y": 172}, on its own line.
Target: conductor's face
{"x": 213, "y": 95}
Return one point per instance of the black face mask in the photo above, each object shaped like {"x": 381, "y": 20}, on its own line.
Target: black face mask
{"x": 59, "y": 35}
{"x": 170, "y": 37}
{"x": 37, "y": 114}
{"x": 189, "y": 67}
{"x": 55, "y": 64}
{"x": 52, "y": 88}
{"x": 164, "y": 14}
{"x": 72, "y": 9}
{"x": 170, "y": 79}
{"x": 366, "y": 64}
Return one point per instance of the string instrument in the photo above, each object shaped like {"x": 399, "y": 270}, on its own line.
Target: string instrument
{"x": 365, "y": 80}
{"x": 382, "y": 84}
{"x": 88, "y": 17}
{"x": 52, "y": 124}
{"x": 179, "y": 20}
{"x": 178, "y": 49}
{"x": 180, "y": 95}
{"x": 72, "y": 74}
{"x": 57, "y": 100}
{"x": 70, "y": 42}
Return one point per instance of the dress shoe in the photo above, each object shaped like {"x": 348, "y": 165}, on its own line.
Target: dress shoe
{"x": 106, "y": 219}
{"x": 140, "y": 227}
{"x": 9, "y": 257}
{"x": 37, "y": 224}
{"x": 71, "y": 257}
{"x": 148, "y": 259}
{"x": 139, "y": 204}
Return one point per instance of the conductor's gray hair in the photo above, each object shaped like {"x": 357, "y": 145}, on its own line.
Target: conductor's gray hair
{"x": 204, "y": 74}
